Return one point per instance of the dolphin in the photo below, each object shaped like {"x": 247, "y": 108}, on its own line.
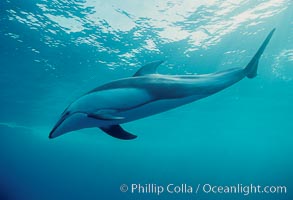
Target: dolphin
{"x": 144, "y": 94}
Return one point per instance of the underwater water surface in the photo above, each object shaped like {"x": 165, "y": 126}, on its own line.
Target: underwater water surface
{"x": 51, "y": 52}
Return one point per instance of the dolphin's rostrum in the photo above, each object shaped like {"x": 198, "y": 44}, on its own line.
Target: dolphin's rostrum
{"x": 146, "y": 93}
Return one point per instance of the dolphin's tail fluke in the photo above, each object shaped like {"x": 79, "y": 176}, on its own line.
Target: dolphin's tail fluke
{"x": 251, "y": 69}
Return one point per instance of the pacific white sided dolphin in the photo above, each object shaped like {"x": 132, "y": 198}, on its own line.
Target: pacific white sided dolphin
{"x": 146, "y": 93}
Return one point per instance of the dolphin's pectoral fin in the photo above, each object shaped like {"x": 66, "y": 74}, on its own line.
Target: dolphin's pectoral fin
{"x": 150, "y": 68}
{"x": 117, "y": 131}
{"x": 107, "y": 114}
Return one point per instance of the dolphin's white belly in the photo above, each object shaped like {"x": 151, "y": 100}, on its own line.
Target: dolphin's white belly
{"x": 129, "y": 103}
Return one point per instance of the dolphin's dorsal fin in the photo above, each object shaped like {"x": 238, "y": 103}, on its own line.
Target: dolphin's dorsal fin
{"x": 150, "y": 68}
{"x": 117, "y": 131}
{"x": 105, "y": 114}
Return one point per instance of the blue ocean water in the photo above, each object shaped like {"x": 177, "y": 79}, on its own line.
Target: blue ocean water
{"x": 51, "y": 52}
